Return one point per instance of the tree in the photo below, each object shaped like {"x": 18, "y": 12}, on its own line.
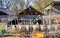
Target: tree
{"x": 22, "y": 4}
{"x": 37, "y": 5}
{"x": 40, "y": 4}
{"x": 8, "y": 5}
{"x": 0, "y": 2}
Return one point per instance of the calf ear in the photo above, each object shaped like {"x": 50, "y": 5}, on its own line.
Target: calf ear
{"x": 19, "y": 27}
{"x": 27, "y": 27}
{"x": 13, "y": 27}
{"x": 6, "y": 27}
{"x": 42, "y": 28}
{"x": 34, "y": 27}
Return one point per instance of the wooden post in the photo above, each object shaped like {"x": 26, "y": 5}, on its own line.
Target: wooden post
{"x": 43, "y": 20}
{"x": 50, "y": 17}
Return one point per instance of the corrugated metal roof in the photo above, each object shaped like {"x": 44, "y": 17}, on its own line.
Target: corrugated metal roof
{"x": 4, "y": 16}
{"x": 7, "y": 18}
{"x": 56, "y": 0}
{"x": 30, "y": 11}
{"x": 5, "y": 10}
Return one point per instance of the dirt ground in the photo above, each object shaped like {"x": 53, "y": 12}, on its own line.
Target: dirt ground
{"x": 14, "y": 37}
